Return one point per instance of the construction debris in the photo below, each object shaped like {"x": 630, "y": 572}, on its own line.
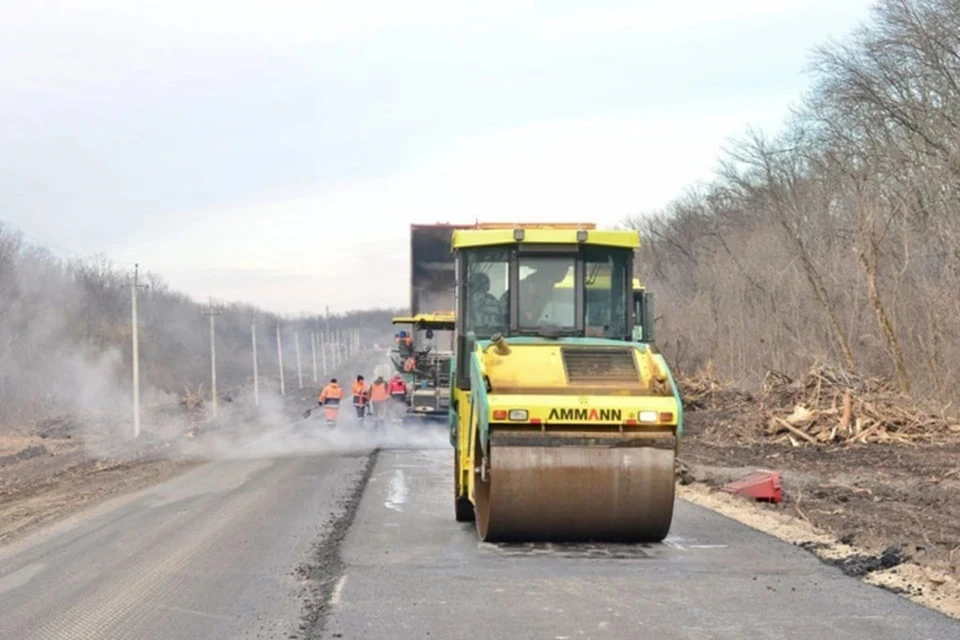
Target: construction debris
{"x": 191, "y": 400}
{"x": 705, "y": 391}
{"x": 762, "y": 486}
{"x": 824, "y": 406}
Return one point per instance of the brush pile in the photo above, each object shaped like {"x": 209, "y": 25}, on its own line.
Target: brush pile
{"x": 706, "y": 392}
{"x": 825, "y": 406}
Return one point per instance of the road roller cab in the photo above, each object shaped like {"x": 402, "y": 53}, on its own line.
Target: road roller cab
{"x": 565, "y": 418}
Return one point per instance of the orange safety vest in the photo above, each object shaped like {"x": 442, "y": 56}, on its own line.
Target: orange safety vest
{"x": 378, "y": 392}
{"x": 331, "y": 394}
{"x": 359, "y": 394}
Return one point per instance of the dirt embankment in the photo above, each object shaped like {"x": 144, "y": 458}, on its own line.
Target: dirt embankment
{"x": 870, "y": 481}
{"x": 53, "y": 468}
{"x": 60, "y": 465}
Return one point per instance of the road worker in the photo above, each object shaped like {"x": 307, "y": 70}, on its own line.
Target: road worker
{"x": 360, "y": 397}
{"x": 410, "y": 364}
{"x": 397, "y": 389}
{"x": 330, "y": 398}
{"x": 404, "y": 343}
{"x": 379, "y": 398}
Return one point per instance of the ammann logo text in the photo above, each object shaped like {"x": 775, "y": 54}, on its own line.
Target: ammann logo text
{"x": 611, "y": 415}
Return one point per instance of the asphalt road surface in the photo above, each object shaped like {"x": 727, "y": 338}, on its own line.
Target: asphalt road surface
{"x": 231, "y": 549}
{"x": 413, "y": 572}
{"x": 265, "y": 549}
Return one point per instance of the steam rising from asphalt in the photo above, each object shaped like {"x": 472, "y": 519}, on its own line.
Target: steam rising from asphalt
{"x": 66, "y": 374}
{"x": 313, "y": 436}
{"x": 275, "y": 430}
{"x": 55, "y": 382}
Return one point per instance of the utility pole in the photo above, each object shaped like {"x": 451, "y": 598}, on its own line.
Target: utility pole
{"x": 324, "y": 341}
{"x": 296, "y": 343}
{"x": 134, "y": 286}
{"x": 213, "y": 313}
{"x": 280, "y": 358}
{"x": 256, "y": 377}
{"x": 336, "y": 348}
{"x": 333, "y": 357}
{"x": 313, "y": 353}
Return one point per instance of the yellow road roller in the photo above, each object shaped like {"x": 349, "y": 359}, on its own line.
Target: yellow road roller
{"x": 564, "y": 418}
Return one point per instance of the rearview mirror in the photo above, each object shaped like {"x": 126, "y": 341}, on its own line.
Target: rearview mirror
{"x": 648, "y": 317}
{"x": 643, "y": 320}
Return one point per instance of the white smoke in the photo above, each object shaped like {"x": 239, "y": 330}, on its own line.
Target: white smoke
{"x": 277, "y": 428}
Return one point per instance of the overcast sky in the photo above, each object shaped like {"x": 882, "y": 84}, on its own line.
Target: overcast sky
{"x": 275, "y": 152}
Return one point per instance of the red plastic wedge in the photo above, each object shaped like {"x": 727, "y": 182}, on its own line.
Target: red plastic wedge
{"x": 762, "y": 485}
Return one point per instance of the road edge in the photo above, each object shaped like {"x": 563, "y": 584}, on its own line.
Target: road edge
{"x": 928, "y": 588}
{"x": 323, "y": 569}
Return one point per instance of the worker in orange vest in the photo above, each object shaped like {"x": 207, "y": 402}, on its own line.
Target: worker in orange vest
{"x": 398, "y": 394}
{"x": 379, "y": 397}
{"x": 330, "y": 400}
{"x": 360, "y": 397}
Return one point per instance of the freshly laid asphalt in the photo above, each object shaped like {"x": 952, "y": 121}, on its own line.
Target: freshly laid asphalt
{"x": 286, "y": 547}
{"x": 227, "y": 550}
{"x": 412, "y": 571}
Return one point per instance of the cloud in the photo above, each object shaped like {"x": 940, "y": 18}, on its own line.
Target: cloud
{"x": 348, "y": 244}
{"x": 297, "y": 139}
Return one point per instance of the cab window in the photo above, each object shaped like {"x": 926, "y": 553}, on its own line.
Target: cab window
{"x": 546, "y": 295}
{"x": 606, "y": 293}
{"x": 487, "y": 277}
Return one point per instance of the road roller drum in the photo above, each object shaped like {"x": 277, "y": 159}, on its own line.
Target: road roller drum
{"x": 576, "y": 488}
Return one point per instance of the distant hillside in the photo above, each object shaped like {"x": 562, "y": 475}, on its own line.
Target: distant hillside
{"x": 65, "y": 335}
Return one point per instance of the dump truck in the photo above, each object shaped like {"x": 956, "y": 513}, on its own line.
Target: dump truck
{"x": 565, "y": 418}
{"x": 426, "y": 364}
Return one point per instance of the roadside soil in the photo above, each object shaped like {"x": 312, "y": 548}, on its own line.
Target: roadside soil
{"x": 58, "y": 466}
{"x": 63, "y": 464}
{"x": 886, "y": 511}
